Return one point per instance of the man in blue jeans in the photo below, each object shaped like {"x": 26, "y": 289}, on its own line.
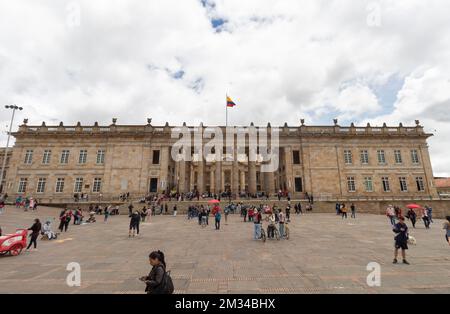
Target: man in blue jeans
{"x": 257, "y": 223}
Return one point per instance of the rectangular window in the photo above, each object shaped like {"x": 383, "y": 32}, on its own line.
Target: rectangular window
{"x": 298, "y": 185}
{"x": 420, "y": 184}
{"x": 414, "y": 156}
{"x": 65, "y": 157}
{"x": 28, "y": 157}
{"x": 398, "y": 156}
{"x": 41, "y": 185}
{"x": 46, "y": 157}
{"x": 97, "y": 187}
{"x": 156, "y": 154}
{"x": 296, "y": 157}
{"x": 83, "y": 156}
{"x": 348, "y": 157}
{"x": 78, "y": 185}
{"x": 100, "y": 157}
{"x": 386, "y": 184}
{"x": 381, "y": 157}
{"x": 22, "y": 185}
{"x": 351, "y": 184}
{"x": 403, "y": 184}
{"x": 59, "y": 185}
{"x": 153, "y": 185}
{"x": 364, "y": 157}
{"x": 368, "y": 184}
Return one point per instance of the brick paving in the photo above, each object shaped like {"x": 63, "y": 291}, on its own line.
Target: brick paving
{"x": 324, "y": 255}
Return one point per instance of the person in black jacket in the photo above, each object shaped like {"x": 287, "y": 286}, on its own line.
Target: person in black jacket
{"x": 154, "y": 281}
{"x": 401, "y": 240}
{"x": 35, "y": 230}
{"x": 134, "y": 223}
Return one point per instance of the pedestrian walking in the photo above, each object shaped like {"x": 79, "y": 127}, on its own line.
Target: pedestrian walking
{"x": 107, "y": 213}
{"x": 344, "y": 211}
{"x": 412, "y": 216}
{"x": 158, "y": 281}
{"x": 426, "y": 219}
{"x": 134, "y": 224}
{"x": 217, "y": 217}
{"x": 390, "y": 213}
{"x": 175, "y": 210}
{"x": 353, "y": 209}
{"x": 35, "y": 231}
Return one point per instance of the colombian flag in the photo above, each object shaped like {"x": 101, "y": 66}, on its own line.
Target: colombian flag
{"x": 230, "y": 103}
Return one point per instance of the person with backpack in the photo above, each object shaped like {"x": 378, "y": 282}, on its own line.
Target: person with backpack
{"x": 158, "y": 281}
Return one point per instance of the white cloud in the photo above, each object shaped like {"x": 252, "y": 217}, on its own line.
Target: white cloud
{"x": 279, "y": 60}
{"x": 357, "y": 100}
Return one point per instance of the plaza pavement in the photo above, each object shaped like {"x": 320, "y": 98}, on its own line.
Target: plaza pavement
{"x": 324, "y": 255}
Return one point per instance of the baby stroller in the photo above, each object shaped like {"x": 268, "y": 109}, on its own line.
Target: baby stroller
{"x": 47, "y": 233}
{"x": 91, "y": 217}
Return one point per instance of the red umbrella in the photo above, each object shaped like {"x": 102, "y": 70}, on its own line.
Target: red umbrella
{"x": 214, "y": 202}
{"x": 414, "y": 206}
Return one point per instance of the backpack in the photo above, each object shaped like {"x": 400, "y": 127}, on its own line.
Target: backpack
{"x": 167, "y": 283}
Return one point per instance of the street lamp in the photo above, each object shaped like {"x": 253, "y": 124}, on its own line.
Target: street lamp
{"x": 2, "y": 174}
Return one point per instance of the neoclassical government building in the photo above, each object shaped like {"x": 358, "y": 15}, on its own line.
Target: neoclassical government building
{"x": 54, "y": 162}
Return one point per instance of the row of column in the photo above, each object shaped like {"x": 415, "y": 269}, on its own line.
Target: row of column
{"x": 216, "y": 177}
{"x": 186, "y": 181}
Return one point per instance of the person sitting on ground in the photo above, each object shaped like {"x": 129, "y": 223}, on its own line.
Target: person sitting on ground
{"x": 91, "y": 218}
{"x": 47, "y": 231}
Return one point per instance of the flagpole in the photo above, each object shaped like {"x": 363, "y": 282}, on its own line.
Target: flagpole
{"x": 226, "y": 111}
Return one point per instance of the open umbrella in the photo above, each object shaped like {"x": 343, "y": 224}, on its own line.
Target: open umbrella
{"x": 414, "y": 206}
{"x": 214, "y": 202}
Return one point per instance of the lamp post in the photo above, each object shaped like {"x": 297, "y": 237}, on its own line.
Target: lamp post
{"x": 2, "y": 174}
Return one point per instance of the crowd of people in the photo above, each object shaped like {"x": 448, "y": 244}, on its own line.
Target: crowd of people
{"x": 158, "y": 281}
{"x": 27, "y": 203}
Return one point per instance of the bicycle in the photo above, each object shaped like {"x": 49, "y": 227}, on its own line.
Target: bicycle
{"x": 286, "y": 231}
{"x": 276, "y": 233}
{"x": 204, "y": 222}
{"x": 262, "y": 235}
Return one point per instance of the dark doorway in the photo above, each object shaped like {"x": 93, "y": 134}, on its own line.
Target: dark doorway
{"x": 298, "y": 185}
{"x": 153, "y": 185}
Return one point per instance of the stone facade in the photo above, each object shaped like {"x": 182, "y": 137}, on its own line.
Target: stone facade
{"x": 54, "y": 162}
{"x": 8, "y": 159}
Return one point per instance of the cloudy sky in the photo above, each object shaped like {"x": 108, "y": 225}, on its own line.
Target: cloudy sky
{"x": 174, "y": 60}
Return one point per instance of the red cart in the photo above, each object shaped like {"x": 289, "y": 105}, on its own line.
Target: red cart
{"x": 13, "y": 243}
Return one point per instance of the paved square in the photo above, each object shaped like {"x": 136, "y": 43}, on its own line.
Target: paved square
{"x": 325, "y": 255}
